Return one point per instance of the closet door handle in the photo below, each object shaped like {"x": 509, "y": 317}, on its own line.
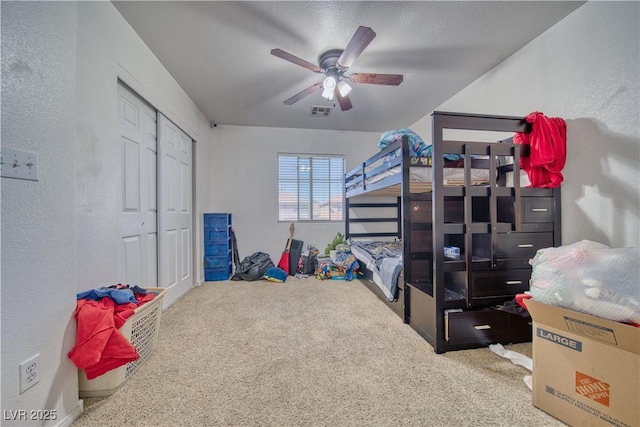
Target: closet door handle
{"x": 539, "y": 210}
{"x": 514, "y": 282}
{"x": 526, "y": 245}
{"x": 481, "y": 327}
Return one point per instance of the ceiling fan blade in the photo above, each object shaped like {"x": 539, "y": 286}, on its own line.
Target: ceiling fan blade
{"x": 377, "y": 79}
{"x": 343, "y": 101}
{"x": 298, "y": 61}
{"x": 358, "y": 42}
{"x": 308, "y": 91}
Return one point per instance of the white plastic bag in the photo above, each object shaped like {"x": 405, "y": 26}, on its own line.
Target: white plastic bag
{"x": 517, "y": 359}
{"x": 591, "y": 278}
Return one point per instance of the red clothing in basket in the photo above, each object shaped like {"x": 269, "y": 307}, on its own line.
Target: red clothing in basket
{"x": 100, "y": 347}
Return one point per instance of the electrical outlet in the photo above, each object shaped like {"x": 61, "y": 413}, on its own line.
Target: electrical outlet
{"x": 29, "y": 373}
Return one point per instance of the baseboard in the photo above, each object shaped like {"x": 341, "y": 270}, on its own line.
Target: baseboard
{"x": 71, "y": 417}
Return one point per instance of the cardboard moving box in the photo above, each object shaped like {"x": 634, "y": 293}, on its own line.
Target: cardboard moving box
{"x": 586, "y": 369}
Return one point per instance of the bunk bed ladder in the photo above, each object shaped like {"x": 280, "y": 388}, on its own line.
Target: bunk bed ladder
{"x": 468, "y": 218}
{"x": 517, "y": 207}
{"x": 404, "y": 203}
{"x": 436, "y": 329}
{"x": 493, "y": 203}
{"x": 516, "y": 151}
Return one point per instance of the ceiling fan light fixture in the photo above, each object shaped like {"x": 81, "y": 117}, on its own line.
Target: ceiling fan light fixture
{"x": 328, "y": 94}
{"x": 329, "y": 83}
{"x": 343, "y": 88}
{"x": 329, "y": 86}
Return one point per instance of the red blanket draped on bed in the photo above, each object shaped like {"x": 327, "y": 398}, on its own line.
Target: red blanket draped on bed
{"x": 548, "y": 150}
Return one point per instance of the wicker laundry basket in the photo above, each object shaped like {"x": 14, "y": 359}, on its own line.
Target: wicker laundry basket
{"x": 141, "y": 330}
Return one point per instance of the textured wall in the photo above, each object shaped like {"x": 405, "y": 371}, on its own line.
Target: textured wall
{"x": 585, "y": 69}
{"x": 38, "y": 225}
{"x": 244, "y": 180}
{"x": 60, "y": 66}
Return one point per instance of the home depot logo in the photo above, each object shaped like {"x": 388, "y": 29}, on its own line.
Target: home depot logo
{"x": 592, "y": 388}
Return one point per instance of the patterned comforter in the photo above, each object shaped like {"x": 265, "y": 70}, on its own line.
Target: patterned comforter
{"x": 385, "y": 260}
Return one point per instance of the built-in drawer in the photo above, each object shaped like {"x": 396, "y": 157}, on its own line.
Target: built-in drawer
{"x": 537, "y": 209}
{"x": 533, "y": 209}
{"x": 486, "y": 327}
{"x": 494, "y": 286}
{"x": 521, "y": 245}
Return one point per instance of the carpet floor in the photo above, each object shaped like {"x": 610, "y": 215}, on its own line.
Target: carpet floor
{"x": 309, "y": 353}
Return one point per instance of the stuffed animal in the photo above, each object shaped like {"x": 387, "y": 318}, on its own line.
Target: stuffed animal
{"x": 339, "y": 239}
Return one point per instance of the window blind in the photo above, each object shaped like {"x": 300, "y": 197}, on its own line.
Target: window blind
{"x": 310, "y": 188}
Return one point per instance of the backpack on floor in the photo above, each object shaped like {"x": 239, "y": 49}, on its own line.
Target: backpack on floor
{"x": 253, "y": 267}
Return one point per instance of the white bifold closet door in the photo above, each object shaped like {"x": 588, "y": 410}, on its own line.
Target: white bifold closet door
{"x": 155, "y": 224}
{"x": 175, "y": 207}
{"x": 138, "y": 235}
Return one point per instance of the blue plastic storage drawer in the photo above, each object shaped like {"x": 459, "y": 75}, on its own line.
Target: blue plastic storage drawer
{"x": 212, "y": 235}
{"x": 217, "y": 221}
{"x": 217, "y": 248}
{"x": 213, "y": 274}
{"x": 216, "y": 261}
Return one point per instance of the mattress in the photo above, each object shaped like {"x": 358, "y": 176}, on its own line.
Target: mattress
{"x": 451, "y": 176}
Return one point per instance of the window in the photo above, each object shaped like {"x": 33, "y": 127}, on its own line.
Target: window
{"x": 310, "y": 187}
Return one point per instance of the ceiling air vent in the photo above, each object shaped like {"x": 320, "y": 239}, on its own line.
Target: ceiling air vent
{"x": 320, "y": 111}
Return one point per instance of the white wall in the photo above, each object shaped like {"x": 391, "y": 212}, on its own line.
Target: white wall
{"x": 585, "y": 69}
{"x": 108, "y": 50}
{"x": 60, "y": 65}
{"x": 38, "y": 220}
{"x": 244, "y": 180}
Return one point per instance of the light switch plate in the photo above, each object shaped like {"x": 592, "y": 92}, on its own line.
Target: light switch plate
{"x": 18, "y": 164}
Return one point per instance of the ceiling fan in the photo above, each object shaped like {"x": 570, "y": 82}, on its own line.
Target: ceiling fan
{"x": 334, "y": 64}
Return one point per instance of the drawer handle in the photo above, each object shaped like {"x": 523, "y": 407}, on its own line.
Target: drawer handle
{"x": 514, "y": 282}
{"x": 539, "y": 210}
{"x": 525, "y": 245}
{"x": 481, "y": 327}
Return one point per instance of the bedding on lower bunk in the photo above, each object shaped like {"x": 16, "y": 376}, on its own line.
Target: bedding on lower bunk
{"x": 384, "y": 259}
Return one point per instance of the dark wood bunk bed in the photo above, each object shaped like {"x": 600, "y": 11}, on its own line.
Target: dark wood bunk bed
{"x": 496, "y": 224}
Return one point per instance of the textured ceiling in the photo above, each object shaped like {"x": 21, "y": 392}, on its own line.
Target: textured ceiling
{"x": 219, "y": 52}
